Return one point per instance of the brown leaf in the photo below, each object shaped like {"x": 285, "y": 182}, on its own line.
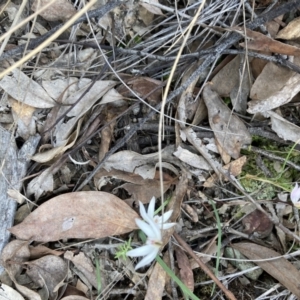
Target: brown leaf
{"x": 55, "y": 152}
{"x": 84, "y": 265}
{"x": 205, "y": 255}
{"x": 261, "y": 42}
{"x": 291, "y": 31}
{"x": 150, "y": 6}
{"x": 40, "y": 184}
{"x": 186, "y": 273}
{"x": 279, "y": 268}
{"x": 74, "y": 297}
{"x": 145, "y": 87}
{"x": 268, "y": 94}
{"x": 231, "y": 82}
{"x": 12, "y": 257}
{"x": 191, "y": 211}
{"x": 263, "y": 87}
{"x": 227, "y": 78}
{"x": 8, "y": 293}
{"x": 60, "y": 10}
{"x": 284, "y": 129}
{"x": 192, "y": 159}
{"x": 22, "y": 114}
{"x": 49, "y": 270}
{"x": 41, "y": 250}
{"x": 28, "y": 91}
{"x": 16, "y": 252}
{"x": 234, "y": 167}
{"x": 75, "y": 293}
{"x": 79, "y": 215}
{"x": 229, "y": 130}
{"x": 140, "y": 189}
{"x": 157, "y": 281}
{"x": 258, "y": 223}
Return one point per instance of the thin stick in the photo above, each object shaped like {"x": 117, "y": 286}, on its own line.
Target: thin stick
{"x": 106, "y": 8}
{"x": 202, "y": 265}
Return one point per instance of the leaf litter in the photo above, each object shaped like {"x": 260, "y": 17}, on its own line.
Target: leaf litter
{"x": 94, "y": 103}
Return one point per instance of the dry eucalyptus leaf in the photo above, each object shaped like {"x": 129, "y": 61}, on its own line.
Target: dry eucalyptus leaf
{"x": 28, "y": 293}
{"x": 113, "y": 96}
{"x": 62, "y": 87}
{"x": 129, "y": 160}
{"x": 268, "y": 94}
{"x": 41, "y": 250}
{"x": 234, "y": 167}
{"x": 144, "y": 192}
{"x": 227, "y": 78}
{"x": 80, "y": 215}
{"x": 23, "y": 117}
{"x": 140, "y": 189}
{"x": 192, "y": 159}
{"x": 148, "y": 171}
{"x": 185, "y": 270}
{"x": 145, "y": 87}
{"x": 229, "y": 130}
{"x": 12, "y": 257}
{"x": 291, "y": 31}
{"x": 84, "y": 265}
{"x": 60, "y": 10}
{"x": 191, "y": 211}
{"x": 240, "y": 92}
{"x": 284, "y": 129}
{"x": 8, "y": 293}
{"x": 40, "y": 184}
{"x": 58, "y": 151}
{"x": 226, "y": 158}
{"x": 205, "y": 255}
{"x": 100, "y": 88}
{"x": 280, "y": 268}
{"x": 150, "y": 6}
{"x": 261, "y": 42}
{"x": 16, "y": 195}
{"x": 24, "y": 89}
{"x": 157, "y": 280}
{"x": 17, "y": 252}
{"x": 127, "y": 19}
{"x": 49, "y": 270}
{"x": 74, "y": 297}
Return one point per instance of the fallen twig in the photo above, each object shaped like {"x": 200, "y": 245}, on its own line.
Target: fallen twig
{"x": 202, "y": 265}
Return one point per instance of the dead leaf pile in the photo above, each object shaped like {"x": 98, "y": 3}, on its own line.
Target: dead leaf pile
{"x": 222, "y": 155}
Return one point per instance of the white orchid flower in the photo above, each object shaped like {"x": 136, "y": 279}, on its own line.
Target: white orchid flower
{"x": 151, "y": 226}
{"x": 152, "y": 246}
{"x": 158, "y": 220}
{"x": 295, "y": 195}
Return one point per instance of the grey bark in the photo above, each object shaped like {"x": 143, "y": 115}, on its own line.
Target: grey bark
{"x": 13, "y": 167}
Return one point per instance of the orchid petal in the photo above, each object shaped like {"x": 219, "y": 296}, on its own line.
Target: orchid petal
{"x": 164, "y": 218}
{"x": 146, "y": 228}
{"x": 151, "y": 208}
{"x": 155, "y": 229}
{"x": 143, "y": 212}
{"x": 140, "y": 251}
{"x": 147, "y": 259}
{"x": 295, "y": 194}
{"x": 168, "y": 225}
